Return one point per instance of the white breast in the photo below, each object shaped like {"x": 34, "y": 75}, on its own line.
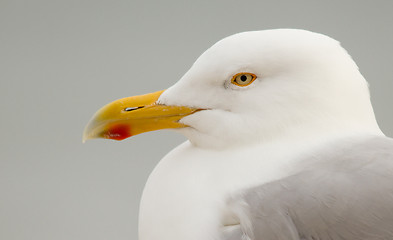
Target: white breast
{"x": 185, "y": 196}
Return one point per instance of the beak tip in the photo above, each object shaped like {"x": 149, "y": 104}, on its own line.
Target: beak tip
{"x": 85, "y": 137}
{"x": 87, "y": 133}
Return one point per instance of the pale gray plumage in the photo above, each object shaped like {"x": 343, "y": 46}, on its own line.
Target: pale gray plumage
{"x": 344, "y": 192}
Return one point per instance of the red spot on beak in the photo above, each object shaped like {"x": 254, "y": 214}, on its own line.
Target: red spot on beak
{"x": 118, "y": 132}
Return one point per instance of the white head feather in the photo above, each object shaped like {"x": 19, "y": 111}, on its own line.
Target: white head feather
{"x": 306, "y": 82}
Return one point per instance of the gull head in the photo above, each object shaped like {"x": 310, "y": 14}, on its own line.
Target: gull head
{"x": 249, "y": 88}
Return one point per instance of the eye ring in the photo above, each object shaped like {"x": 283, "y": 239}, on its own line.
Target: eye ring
{"x": 243, "y": 79}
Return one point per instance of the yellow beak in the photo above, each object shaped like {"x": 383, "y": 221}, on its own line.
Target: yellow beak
{"x": 130, "y": 116}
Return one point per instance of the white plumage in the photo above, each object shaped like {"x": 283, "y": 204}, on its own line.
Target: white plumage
{"x": 308, "y": 95}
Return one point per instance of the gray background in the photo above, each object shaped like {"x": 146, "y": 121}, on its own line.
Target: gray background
{"x": 61, "y": 60}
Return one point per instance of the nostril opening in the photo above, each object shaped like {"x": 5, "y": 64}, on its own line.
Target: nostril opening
{"x": 129, "y": 109}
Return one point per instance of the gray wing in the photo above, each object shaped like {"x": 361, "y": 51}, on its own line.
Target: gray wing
{"x": 346, "y": 194}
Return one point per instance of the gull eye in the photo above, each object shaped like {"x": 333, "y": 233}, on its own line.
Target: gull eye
{"x": 243, "y": 79}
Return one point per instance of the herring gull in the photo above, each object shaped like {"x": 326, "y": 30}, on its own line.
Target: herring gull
{"x": 282, "y": 144}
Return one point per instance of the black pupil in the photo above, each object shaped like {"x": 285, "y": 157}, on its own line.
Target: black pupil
{"x": 243, "y": 78}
